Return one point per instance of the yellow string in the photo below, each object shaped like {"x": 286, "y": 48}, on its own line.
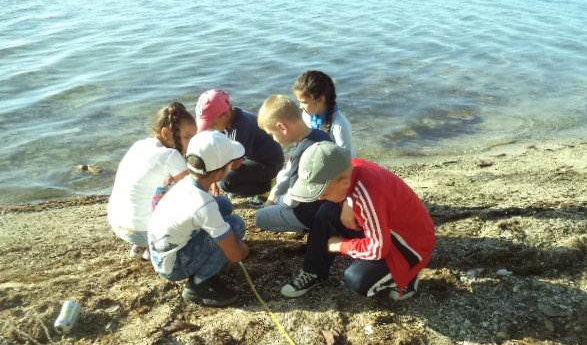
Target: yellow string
{"x": 273, "y": 317}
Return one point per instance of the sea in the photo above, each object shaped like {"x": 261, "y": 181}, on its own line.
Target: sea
{"x": 80, "y": 81}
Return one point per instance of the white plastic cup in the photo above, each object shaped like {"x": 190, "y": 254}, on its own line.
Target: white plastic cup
{"x": 67, "y": 317}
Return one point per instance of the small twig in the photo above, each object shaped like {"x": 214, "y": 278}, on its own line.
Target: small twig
{"x": 45, "y": 329}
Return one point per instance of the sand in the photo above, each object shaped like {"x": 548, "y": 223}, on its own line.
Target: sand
{"x": 510, "y": 268}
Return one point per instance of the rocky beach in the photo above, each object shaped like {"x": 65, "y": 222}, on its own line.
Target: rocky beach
{"x": 510, "y": 268}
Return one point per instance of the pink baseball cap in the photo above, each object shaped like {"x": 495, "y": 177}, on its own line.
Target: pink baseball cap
{"x": 211, "y": 104}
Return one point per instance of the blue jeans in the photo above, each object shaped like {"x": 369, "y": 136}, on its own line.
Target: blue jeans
{"x": 282, "y": 218}
{"x": 201, "y": 257}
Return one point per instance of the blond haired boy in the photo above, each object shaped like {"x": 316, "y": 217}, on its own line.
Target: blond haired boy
{"x": 281, "y": 118}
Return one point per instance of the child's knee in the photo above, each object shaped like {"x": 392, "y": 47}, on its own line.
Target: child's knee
{"x": 263, "y": 217}
{"x": 353, "y": 280}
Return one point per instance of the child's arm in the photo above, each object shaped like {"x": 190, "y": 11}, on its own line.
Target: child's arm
{"x": 347, "y": 215}
{"x": 377, "y": 240}
{"x": 179, "y": 176}
{"x": 281, "y": 184}
{"x": 234, "y": 249}
{"x": 342, "y": 134}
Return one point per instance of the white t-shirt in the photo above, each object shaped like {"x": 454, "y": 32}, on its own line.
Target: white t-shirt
{"x": 144, "y": 167}
{"x": 184, "y": 209}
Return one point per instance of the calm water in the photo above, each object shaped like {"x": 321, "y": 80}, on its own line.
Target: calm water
{"x": 80, "y": 81}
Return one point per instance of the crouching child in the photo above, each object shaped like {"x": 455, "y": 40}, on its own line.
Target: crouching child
{"x": 371, "y": 215}
{"x": 192, "y": 234}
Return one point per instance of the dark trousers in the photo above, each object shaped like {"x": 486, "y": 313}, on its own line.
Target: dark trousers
{"x": 251, "y": 178}
{"x": 361, "y": 275}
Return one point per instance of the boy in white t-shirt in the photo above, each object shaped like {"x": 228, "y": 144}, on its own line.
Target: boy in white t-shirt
{"x": 193, "y": 234}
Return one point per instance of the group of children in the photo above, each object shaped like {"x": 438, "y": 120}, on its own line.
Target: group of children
{"x": 344, "y": 204}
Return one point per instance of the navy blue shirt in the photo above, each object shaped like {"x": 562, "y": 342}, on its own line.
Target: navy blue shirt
{"x": 259, "y": 146}
{"x": 315, "y": 136}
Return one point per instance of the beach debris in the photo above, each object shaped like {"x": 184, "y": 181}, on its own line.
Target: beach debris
{"x": 472, "y": 275}
{"x": 369, "y": 329}
{"x": 331, "y": 337}
{"x": 67, "y": 317}
{"x": 554, "y": 311}
{"x": 178, "y": 325}
{"x": 502, "y": 335}
{"x": 485, "y": 164}
{"x": 91, "y": 168}
{"x": 503, "y": 272}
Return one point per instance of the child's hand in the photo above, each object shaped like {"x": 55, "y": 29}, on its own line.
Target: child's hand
{"x": 347, "y": 217}
{"x": 334, "y": 244}
{"x": 271, "y": 199}
{"x": 244, "y": 249}
{"x": 214, "y": 189}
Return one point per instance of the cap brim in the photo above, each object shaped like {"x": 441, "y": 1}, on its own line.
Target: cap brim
{"x": 203, "y": 124}
{"x": 237, "y": 150}
{"x": 307, "y": 192}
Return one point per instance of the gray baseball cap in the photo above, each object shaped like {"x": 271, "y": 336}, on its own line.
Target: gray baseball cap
{"x": 319, "y": 164}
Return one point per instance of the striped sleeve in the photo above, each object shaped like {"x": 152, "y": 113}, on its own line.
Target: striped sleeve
{"x": 375, "y": 244}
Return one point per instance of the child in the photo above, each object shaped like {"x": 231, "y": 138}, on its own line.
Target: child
{"x": 148, "y": 164}
{"x": 317, "y": 96}
{"x": 263, "y": 156}
{"x": 280, "y": 117}
{"x": 192, "y": 234}
{"x": 382, "y": 224}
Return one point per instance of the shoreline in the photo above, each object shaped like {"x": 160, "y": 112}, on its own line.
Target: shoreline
{"x": 521, "y": 208}
{"x": 509, "y": 147}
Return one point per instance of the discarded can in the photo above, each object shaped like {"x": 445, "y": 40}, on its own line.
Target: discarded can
{"x": 67, "y": 317}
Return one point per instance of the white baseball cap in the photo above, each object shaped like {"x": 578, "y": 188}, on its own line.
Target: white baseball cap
{"x": 215, "y": 149}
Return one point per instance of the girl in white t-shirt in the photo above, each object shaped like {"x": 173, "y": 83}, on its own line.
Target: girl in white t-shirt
{"x": 316, "y": 93}
{"x": 149, "y": 164}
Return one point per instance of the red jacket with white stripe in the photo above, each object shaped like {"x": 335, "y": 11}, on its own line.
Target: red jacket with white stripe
{"x": 396, "y": 223}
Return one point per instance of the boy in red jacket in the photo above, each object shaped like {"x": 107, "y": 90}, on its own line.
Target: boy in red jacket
{"x": 373, "y": 216}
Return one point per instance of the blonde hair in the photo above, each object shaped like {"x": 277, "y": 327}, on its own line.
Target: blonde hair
{"x": 277, "y": 108}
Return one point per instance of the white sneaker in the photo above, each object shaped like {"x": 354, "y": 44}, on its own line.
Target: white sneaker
{"x": 138, "y": 252}
{"x": 397, "y": 295}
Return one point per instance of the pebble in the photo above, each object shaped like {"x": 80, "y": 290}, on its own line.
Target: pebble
{"x": 549, "y": 325}
{"x": 93, "y": 169}
{"x": 551, "y": 311}
{"x": 471, "y": 275}
{"x": 502, "y": 335}
{"x": 503, "y": 272}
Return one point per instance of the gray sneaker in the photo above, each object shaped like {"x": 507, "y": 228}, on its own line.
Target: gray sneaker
{"x": 300, "y": 284}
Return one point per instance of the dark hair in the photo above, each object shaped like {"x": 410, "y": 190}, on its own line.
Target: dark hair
{"x": 171, "y": 116}
{"x": 197, "y": 162}
{"x": 317, "y": 84}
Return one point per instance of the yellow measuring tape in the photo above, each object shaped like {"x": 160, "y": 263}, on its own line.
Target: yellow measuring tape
{"x": 273, "y": 317}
